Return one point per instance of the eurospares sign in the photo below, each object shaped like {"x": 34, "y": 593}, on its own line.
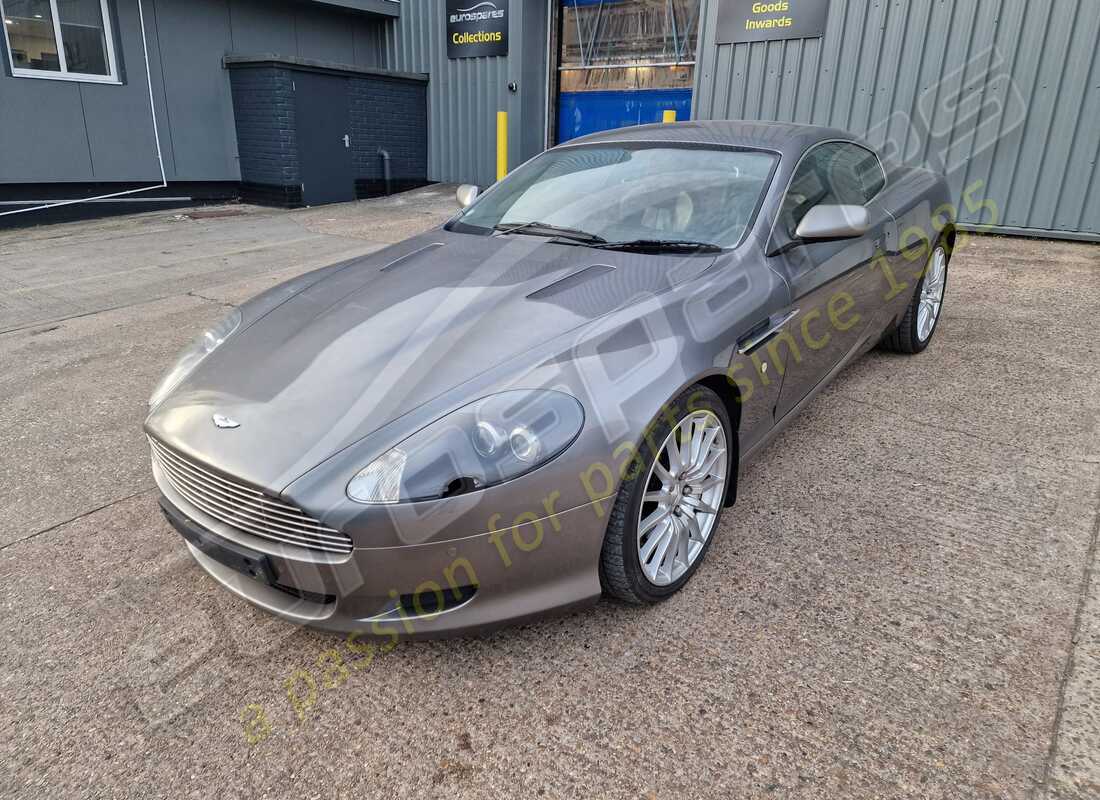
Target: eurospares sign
{"x": 477, "y": 28}
{"x": 764, "y": 20}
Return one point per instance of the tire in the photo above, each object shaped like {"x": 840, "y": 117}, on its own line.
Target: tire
{"x": 906, "y": 337}
{"x": 622, "y": 572}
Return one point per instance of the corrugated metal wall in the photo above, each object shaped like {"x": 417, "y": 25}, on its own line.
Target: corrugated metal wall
{"x": 1001, "y": 95}
{"x": 465, "y": 94}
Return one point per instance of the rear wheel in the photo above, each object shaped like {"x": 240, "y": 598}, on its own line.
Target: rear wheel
{"x": 915, "y": 330}
{"x": 667, "y": 510}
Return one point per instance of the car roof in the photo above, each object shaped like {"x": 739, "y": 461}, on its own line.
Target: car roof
{"x": 784, "y": 137}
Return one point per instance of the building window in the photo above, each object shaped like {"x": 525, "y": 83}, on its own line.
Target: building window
{"x": 60, "y": 39}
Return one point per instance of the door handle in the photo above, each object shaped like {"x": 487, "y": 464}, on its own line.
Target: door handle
{"x": 754, "y": 341}
{"x": 347, "y": 140}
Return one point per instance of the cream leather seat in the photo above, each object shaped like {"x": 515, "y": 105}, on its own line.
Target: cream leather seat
{"x": 674, "y": 216}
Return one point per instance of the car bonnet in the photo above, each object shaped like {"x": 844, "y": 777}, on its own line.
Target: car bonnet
{"x": 372, "y": 341}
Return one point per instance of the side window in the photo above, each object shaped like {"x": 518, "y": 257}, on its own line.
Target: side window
{"x": 810, "y": 186}
{"x": 831, "y": 173}
{"x": 867, "y": 170}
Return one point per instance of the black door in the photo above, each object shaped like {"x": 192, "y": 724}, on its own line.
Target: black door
{"x": 324, "y": 144}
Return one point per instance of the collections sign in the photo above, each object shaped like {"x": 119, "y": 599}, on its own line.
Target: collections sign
{"x": 762, "y": 20}
{"x": 477, "y": 28}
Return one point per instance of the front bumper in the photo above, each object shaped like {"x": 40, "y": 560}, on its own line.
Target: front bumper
{"x": 459, "y": 586}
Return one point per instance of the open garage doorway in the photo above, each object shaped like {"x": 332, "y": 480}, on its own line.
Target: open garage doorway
{"x": 623, "y": 62}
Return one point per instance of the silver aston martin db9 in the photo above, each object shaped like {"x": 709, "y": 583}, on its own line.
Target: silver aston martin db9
{"x": 549, "y": 397}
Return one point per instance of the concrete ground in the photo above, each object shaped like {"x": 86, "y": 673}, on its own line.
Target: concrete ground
{"x": 902, "y": 603}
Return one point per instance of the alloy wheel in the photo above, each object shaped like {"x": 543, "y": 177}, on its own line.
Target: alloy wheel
{"x": 683, "y": 495}
{"x": 931, "y": 294}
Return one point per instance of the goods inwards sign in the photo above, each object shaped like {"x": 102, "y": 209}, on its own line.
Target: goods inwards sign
{"x": 761, "y": 20}
{"x": 477, "y": 28}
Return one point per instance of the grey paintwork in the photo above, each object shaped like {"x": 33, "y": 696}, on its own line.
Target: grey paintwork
{"x": 331, "y": 370}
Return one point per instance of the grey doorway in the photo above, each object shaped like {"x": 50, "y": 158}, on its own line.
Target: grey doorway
{"x": 324, "y": 144}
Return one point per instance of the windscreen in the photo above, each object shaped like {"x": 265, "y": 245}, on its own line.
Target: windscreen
{"x": 625, "y": 193}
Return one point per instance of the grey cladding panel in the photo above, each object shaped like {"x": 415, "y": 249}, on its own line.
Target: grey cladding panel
{"x": 119, "y": 124}
{"x": 266, "y": 28}
{"x": 326, "y": 37}
{"x": 1003, "y": 96}
{"x": 42, "y": 136}
{"x": 193, "y": 38}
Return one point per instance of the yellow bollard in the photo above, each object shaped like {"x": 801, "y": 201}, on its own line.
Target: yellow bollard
{"x": 670, "y": 115}
{"x": 502, "y": 144}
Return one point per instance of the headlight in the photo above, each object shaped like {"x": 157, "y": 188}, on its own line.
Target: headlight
{"x": 487, "y": 442}
{"x": 199, "y": 349}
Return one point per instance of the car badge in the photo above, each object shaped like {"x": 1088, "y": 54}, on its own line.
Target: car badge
{"x": 223, "y": 421}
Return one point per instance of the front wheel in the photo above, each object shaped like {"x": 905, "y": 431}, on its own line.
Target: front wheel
{"x": 915, "y": 330}
{"x": 668, "y": 508}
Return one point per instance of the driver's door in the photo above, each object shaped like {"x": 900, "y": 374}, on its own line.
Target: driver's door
{"x": 831, "y": 284}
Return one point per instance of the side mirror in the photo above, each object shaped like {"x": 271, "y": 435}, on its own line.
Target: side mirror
{"x": 834, "y": 222}
{"x": 466, "y": 194}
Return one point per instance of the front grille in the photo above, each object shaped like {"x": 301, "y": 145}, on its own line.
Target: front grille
{"x": 244, "y": 508}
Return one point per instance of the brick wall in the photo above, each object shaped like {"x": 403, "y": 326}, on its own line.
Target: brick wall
{"x": 391, "y": 114}
{"x": 384, "y": 112}
{"x": 263, "y": 106}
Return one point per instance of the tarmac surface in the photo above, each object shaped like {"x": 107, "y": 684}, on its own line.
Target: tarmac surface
{"x": 901, "y": 604}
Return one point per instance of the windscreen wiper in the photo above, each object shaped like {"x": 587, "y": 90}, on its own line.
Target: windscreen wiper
{"x": 662, "y": 246}
{"x": 546, "y": 229}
